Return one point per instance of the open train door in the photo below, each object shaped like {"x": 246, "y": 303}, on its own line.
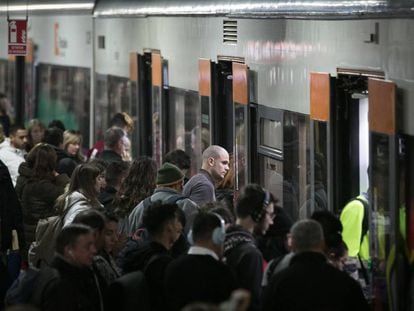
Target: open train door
{"x": 387, "y": 248}
{"x": 321, "y": 144}
{"x": 224, "y": 98}
{"x": 241, "y": 148}
{"x": 206, "y": 97}
{"x": 147, "y": 73}
{"x": 140, "y": 73}
{"x": 387, "y": 245}
{"x": 158, "y": 119}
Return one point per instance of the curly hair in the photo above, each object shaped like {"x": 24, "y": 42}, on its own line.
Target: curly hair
{"x": 137, "y": 185}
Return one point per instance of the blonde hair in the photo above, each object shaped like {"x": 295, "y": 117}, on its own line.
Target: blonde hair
{"x": 73, "y": 137}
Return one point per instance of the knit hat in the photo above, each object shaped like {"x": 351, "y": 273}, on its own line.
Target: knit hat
{"x": 169, "y": 174}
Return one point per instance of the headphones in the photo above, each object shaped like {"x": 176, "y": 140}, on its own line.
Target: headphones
{"x": 218, "y": 235}
{"x": 258, "y": 215}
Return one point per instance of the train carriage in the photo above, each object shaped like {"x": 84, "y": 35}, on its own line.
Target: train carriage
{"x": 312, "y": 98}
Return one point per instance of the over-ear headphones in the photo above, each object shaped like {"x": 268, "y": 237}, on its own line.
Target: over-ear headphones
{"x": 258, "y": 214}
{"x": 218, "y": 235}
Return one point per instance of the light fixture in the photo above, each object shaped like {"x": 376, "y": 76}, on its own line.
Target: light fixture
{"x": 47, "y": 7}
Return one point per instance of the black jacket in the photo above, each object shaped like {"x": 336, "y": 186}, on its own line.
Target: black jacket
{"x": 195, "y": 278}
{"x": 69, "y": 289}
{"x": 110, "y": 156}
{"x": 37, "y": 198}
{"x": 106, "y": 197}
{"x": 311, "y": 283}
{"x": 153, "y": 259}
{"x": 244, "y": 257}
{"x": 10, "y": 211}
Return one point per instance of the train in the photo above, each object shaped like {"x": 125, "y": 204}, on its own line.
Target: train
{"x": 313, "y": 99}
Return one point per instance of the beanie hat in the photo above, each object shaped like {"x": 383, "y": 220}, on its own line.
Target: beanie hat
{"x": 169, "y": 174}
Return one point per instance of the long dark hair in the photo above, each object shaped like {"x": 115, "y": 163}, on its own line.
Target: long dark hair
{"x": 83, "y": 180}
{"x": 42, "y": 160}
{"x": 137, "y": 185}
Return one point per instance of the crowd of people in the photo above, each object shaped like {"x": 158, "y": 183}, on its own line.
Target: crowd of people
{"x": 131, "y": 235}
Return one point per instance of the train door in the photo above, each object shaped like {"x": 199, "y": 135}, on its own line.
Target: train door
{"x": 321, "y": 146}
{"x": 148, "y": 71}
{"x": 241, "y": 121}
{"x": 140, "y": 76}
{"x": 158, "y": 108}
{"x": 224, "y": 98}
{"x": 340, "y": 137}
{"x": 282, "y": 157}
{"x": 364, "y": 137}
{"x": 387, "y": 198}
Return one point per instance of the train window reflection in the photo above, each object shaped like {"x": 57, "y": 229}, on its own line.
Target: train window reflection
{"x": 64, "y": 94}
{"x": 185, "y": 130}
{"x": 113, "y": 95}
{"x": 271, "y": 133}
{"x": 284, "y": 158}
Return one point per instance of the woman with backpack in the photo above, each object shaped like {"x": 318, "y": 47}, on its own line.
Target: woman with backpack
{"x": 37, "y": 187}
{"x": 82, "y": 193}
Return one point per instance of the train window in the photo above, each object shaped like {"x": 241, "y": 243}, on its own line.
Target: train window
{"x": 113, "y": 95}
{"x": 64, "y": 93}
{"x": 184, "y": 124}
{"x": 7, "y": 86}
{"x": 272, "y": 176}
{"x": 156, "y": 124}
{"x": 271, "y": 133}
{"x": 240, "y": 146}
{"x": 284, "y": 157}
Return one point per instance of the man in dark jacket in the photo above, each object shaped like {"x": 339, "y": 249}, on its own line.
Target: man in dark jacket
{"x": 310, "y": 282}
{"x": 200, "y": 275}
{"x": 116, "y": 144}
{"x": 163, "y": 223}
{"x": 253, "y": 209}
{"x": 72, "y": 285}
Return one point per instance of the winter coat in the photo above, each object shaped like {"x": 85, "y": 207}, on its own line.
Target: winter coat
{"x": 71, "y": 289}
{"x": 37, "y": 198}
{"x": 75, "y": 203}
{"x": 153, "y": 259}
{"x": 10, "y": 211}
{"x": 194, "y": 278}
{"x": 244, "y": 257}
{"x": 311, "y": 283}
{"x": 188, "y": 206}
{"x": 110, "y": 156}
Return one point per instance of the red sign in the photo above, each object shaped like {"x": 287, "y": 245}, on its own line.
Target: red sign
{"x": 17, "y": 36}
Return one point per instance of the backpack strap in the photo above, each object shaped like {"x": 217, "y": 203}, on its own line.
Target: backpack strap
{"x": 174, "y": 198}
{"x": 365, "y": 219}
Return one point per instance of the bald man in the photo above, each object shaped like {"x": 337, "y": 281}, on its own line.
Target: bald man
{"x": 201, "y": 187}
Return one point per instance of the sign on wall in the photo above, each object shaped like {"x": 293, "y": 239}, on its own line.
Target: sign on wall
{"x": 17, "y": 36}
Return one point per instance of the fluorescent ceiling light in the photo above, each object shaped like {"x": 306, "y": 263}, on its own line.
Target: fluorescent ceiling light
{"x": 47, "y": 7}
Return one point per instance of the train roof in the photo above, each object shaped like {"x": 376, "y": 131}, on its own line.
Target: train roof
{"x": 299, "y": 9}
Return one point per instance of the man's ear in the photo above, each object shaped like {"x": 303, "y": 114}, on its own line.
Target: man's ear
{"x": 68, "y": 250}
{"x": 210, "y": 161}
